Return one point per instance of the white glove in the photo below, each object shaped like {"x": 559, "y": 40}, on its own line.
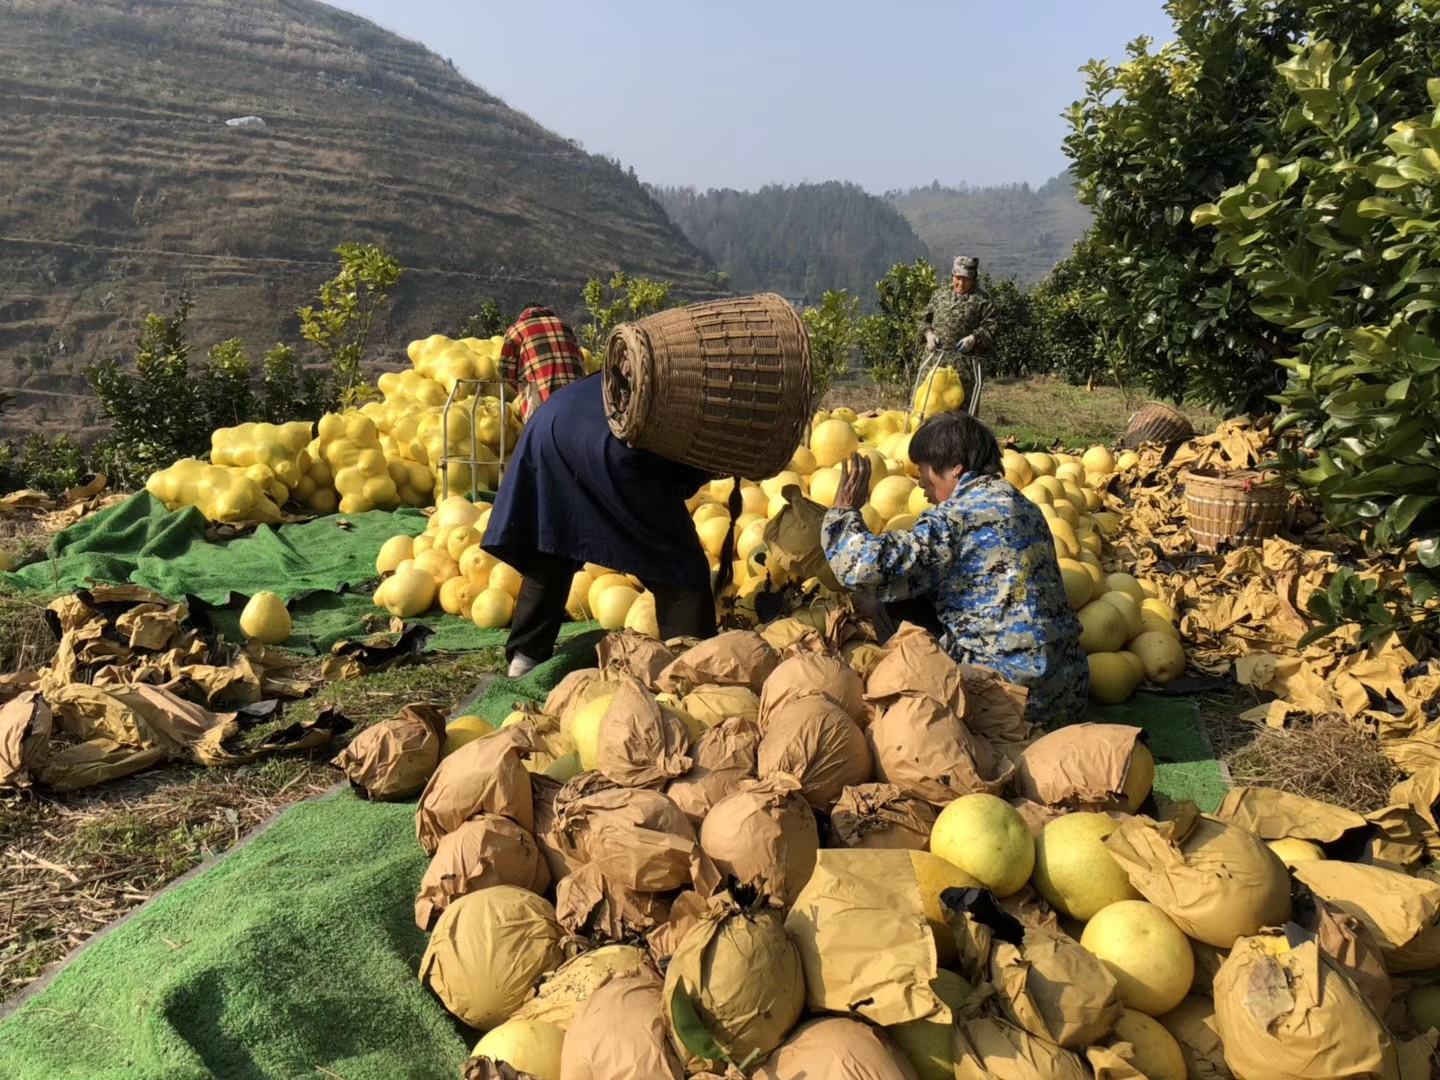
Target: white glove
{"x": 967, "y": 344}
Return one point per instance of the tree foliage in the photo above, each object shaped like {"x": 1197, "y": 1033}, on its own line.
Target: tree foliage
{"x": 348, "y": 305}
{"x": 621, "y": 299}
{"x": 891, "y": 341}
{"x": 834, "y": 330}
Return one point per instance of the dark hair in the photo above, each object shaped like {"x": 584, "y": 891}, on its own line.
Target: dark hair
{"x": 956, "y": 438}
{"x": 531, "y": 304}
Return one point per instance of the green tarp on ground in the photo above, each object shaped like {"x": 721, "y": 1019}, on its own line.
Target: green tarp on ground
{"x": 294, "y": 957}
{"x": 139, "y": 542}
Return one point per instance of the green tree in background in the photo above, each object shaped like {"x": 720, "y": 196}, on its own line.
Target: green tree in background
{"x": 834, "y": 332}
{"x": 891, "y": 342}
{"x": 621, "y": 299}
{"x": 349, "y": 303}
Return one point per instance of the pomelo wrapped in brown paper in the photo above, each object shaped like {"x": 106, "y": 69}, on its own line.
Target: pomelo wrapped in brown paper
{"x": 912, "y": 663}
{"x": 488, "y": 951}
{"x": 862, "y": 656}
{"x": 990, "y": 1047}
{"x": 864, "y": 939}
{"x": 1195, "y": 1028}
{"x": 25, "y": 726}
{"x": 637, "y": 837}
{"x": 881, "y": 816}
{"x": 1295, "y": 1016}
{"x": 1346, "y": 940}
{"x": 1217, "y": 882}
{"x": 554, "y": 752}
{"x": 929, "y": 1044}
{"x": 487, "y": 850}
{"x": 793, "y": 540}
{"x": 743, "y": 976}
{"x": 394, "y": 759}
{"x": 836, "y": 1048}
{"x": 791, "y": 633}
{"x": 814, "y": 741}
{"x": 1278, "y": 815}
{"x": 630, "y": 653}
{"x": 1088, "y": 767}
{"x": 561, "y": 853}
{"x": 814, "y": 673}
{"x": 559, "y": 997}
{"x": 686, "y": 911}
{"x": 485, "y": 776}
{"x": 1055, "y": 989}
{"x": 602, "y": 911}
{"x": 925, "y": 749}
{"x": 994, "y": 706}
{"x": 1108, "y": 1063}
{"x": 712, "y": 704}
{"x": 734, "y": 658}
{"x": 724, "y": 758}
{"x": 765, "y": 837}
{"x": 1399, "y": 910}
{"x": 567, "y": 690}
{"x": 619, "y": 1034}
{"x": 639, "y": 744}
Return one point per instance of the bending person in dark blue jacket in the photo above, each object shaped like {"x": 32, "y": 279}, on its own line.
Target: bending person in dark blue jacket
{"x": 573, "y": 493}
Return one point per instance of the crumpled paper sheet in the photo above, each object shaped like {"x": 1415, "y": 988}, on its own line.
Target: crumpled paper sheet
{"x": 638, "y": 744}
{"x": 484, "y": 776}
{"x": 605, "y": 912}
{"x": 1080, "y": 767}
{"x": 724, "y": 757}
{"x": 486, "y": 850}
{"x": 734, "y": 658}
{"x": 1055, "y": 989}
{"x": 881, "y": 816}
{"x": 793, "y": 540}
{"x": 634, "y": 654}
{"x": 25, "y": 725}
{"x": 1400, "y": 911}
{"x": 394, "y": 759}
{"x": 1277, "y": 815}
{"x": 989, "y": 1047}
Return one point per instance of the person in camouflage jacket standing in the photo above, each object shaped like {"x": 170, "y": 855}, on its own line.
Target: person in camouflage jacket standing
{"x": 960, "y": 315}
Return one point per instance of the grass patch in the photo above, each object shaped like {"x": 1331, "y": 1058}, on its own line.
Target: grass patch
{"x": 26, "y": 642}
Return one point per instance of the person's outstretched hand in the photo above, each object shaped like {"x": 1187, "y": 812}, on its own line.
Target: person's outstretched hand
{"x": 854, "y": 487}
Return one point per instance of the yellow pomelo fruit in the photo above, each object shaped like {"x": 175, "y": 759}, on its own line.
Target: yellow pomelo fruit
{"x": 1126, "y": 459}
{"x": 1067, "y": 545}
{"x": 833, "y": 441}
{"x": 265, "y": 619}
{"x": 1127, "y": 584}
{"x": 1078, "y": 584}
{"x": 599, "y": 584}
{"x": 613, "y": 605}
{"x": 1146, "y": 952}
{"x": 1153, "y": 1051}
{"x": 1098, "y": 459}
{"x": 929, "y": 1044}
{"x": 1112, "y": 678}
{"x": 934, "y": 875}
{"x": 719, "y": 490}
{"x": 1070, "y": 471}
{"x": 710, "y": 511}
{"x": 918, "y": 502}
{"x": 1037, "y": 494}
{"x": 1066, "y": 513}
{"x": 1162, "y": 655}
{"x": 1092, "y": 567}
{"x": 1102, "y": 627}
{"x": 1293, "y": 850}
{"x": 408, "y": 593}
{"x": 1014, "y": 479}
{"x": 462, "y": 730}
{"x": 1158, "y": 607}
{"x": 984, "y": 836}
{"x": 1126, "y": 605}
{"x": 1073, "y": 870}
{"x": 530, "y": 1047}
{"x": 393, "y": 552}
{"x": 844, "y": 412}
{"x": 457, "y": 596}
{"x": 421, "y": 544}
{"x": 750, "y": 540}
{"x": 1139, "y": 778}
{"x": 492, "y": 609}
{"x": 438, "y": 564}
{"x": 641, "y": 616}
{"x": 753, "y": 500}
{"x": 597, "y": 571}
{"x": 1135, "y": 665}
{"x": 506, "y": 578}
{"x": 872, "y": 517}
{"x": 712, "y": 534}
{"x": 803, "y": 461}
{"x": 585, "y": 729}
{"x": 900, "y": 523}
{"x": 1152, "y": 623}
{"x": 1093, "y": 502}
{"x": 1055, "y": 487}
{"x": 824, "y": 483}
{"x": 462, "y": 538}
{"x": 891, "y": 496}
{"x": 456, "y": 510}
{"x": 1041, "y": 464}
{"x": 1013, "y": 459}
{"x": 1092, "y": 543}
{"x": 577, "y": 604}
{"x": 476, "y": 564}
{"x": 1424, "y": 1005}
{"x": 774, "y": 485}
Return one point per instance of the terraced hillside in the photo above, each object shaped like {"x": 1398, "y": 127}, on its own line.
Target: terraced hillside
{"x": 121, "y": 184}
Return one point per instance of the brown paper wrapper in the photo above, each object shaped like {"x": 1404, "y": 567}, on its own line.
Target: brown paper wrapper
{"x": 765, "y": 837}
{"x": 790, "y": 633}
{"x": 604, "y": 912}
{"x": 559, "y": 998}
{"x": 818, "y": 744}
{"x": 639, "y": 745}
{"x": 1193, "y": 1024}
{"x": 686, "y": 912}
{"x": 1296, "y": 1016}
{"x": 1354, "y": 949}
{"x": 636, "y": 837}
{"x": 713, "y": 704}
{"x": 743, "y": 975}
{"x": 988, "y": 1047}
{"x": 793, "y": 539}
{"x": 25, "y": 726}
{"x": 995, "y": 707}
{"x": 1036, "y": 815}
{"x": 486, "y": 776}
{"x": 814, "y": 673}
{"x": 724, "y": 758}
{"x": 923, "y": 748}
{"x": 881, "y": 816}
{"x": 1055, "y": 989}
{"x": 394, "y": 759}
{"x": 1081, "y": 767}
{"x": 1276, "y": 815}
{"x": 567, "y": 690}
{"x": 866, "y": 945}
{"x": 1399, "y": 910}
{"x": 561, "y": 855}
{"x": 484, "y": 851}
{"x": 837, "y": 1047}
{"x": 1221, "y": 883}
{"x": 912, "y": 663}
{"x": 620, "y": 1033}
{"x": 640, "y": 656}
{"x": 734, "y": 658}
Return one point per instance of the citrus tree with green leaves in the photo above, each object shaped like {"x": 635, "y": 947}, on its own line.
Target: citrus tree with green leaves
{"x": 349, "y": 303}
{"x": 620, "y": 299}
{"x": 833, "y": 328}
{"x": 891, "y": 341}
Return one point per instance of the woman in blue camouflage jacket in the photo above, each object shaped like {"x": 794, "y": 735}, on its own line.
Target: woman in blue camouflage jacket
{"x": 978, "y": 569}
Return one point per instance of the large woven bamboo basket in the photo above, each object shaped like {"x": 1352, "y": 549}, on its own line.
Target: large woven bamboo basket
{"x": 1157, "y": 423}
{"x": 1239, "y": 509}
{"x": 722, "y": 386}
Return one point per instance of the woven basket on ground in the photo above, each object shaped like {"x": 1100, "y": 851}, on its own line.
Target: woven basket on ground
{"x": 723, "y": 386}
{"x": 1239, "y": 509}
{"x": 1157, "y": 423}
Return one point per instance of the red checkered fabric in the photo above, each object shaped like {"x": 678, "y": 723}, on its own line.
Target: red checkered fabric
{"x": 541, "y": 350}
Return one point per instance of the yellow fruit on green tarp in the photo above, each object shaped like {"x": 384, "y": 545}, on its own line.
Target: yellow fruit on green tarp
{"x": 1162, "y": 655}
{"x": 1073, "y": 870}
{"x": 265, "y": 619}
{"x": 984, "y": 836}
{"x": 492, "y": 609}
{"x": 1113, "y": 678}
{"x": 613, "y": 605}
{"x": 462, "y": 730}
{"x": 457, "y": 596}
{"x": 1102, "y": 627}
{"x": 1147, "y": 953}
{"x": 393, "y": 552}
{"x": 408, "y": 593}
{"x": 530, "y": 1047}
{"x": 506, "y": 578}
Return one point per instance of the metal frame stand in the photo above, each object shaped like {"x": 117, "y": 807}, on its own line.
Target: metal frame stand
{"x": 934, "y": 359}
{"x": 474, "y": 459}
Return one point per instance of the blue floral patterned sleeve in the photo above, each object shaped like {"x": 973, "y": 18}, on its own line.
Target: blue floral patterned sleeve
{"x": 891, "y": 566}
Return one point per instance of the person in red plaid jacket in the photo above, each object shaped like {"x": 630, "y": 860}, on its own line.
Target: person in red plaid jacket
{"x": 539, "y": 356}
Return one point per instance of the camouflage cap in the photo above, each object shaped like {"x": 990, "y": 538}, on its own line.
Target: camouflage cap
{"x": 965, "y": 266}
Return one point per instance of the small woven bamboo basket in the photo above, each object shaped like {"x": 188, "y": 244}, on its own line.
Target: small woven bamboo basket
{"x": 722, "y": 386}
{"x": 1157, "y": 423}
{"x": 1240, "y": 509}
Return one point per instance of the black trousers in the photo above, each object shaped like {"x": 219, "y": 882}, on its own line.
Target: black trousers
{"x": 540, "y": 608}
{"x": 919, "y": 610}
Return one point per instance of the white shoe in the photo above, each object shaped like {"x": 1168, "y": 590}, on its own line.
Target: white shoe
{"x": 521, "y": 666}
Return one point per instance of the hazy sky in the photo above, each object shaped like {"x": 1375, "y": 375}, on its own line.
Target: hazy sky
{"x": 744, "y": 93}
